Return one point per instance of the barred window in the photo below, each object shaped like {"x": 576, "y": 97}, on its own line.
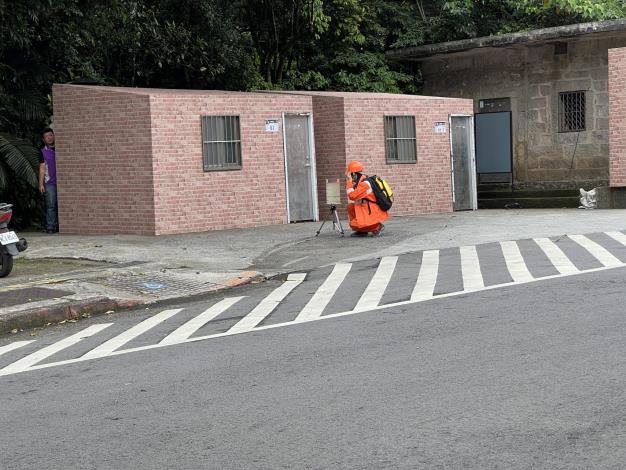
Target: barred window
{"x": 572, "y": 111}
{"x": 400, "y": 142}
{"x": 221, "y": 143}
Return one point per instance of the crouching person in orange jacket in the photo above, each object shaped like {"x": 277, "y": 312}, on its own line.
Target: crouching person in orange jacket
{"x": 364, "y": 214}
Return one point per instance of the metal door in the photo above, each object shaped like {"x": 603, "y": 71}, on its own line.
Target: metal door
{"x": 299, "y": 168}
{"x": 493, "y": 143}
{"x": 463, "y": 163}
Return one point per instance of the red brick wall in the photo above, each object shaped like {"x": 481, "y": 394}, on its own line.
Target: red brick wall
{"x": 130, "y": 160}
{"x": 421, "y": 188}
{"x": 617, "y": 117}
{"x": 188, "y": 199}
{"x": 330, "y": 149}
{"x": 103, "y": 144}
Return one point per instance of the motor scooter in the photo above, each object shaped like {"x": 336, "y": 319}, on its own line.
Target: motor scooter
{"x": 10, "y": 244}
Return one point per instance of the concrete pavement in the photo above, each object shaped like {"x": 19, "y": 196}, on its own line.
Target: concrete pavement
{"x": 66, "y": 277}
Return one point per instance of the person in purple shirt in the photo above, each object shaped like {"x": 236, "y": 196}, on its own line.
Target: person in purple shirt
{"x": 48, "y": 180}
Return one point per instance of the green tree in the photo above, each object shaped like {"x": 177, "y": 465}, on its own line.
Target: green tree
{"x": 281, "y": 29}
{"x": 349, "y": 54}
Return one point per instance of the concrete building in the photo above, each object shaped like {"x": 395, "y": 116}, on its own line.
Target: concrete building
{"x": 541, "y": 100}
{"x": 149, "y": 161}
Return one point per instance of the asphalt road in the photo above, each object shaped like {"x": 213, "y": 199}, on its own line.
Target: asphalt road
{"x": 526, "y": 376}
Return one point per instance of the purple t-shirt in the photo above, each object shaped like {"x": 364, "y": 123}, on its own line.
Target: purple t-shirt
{"x": 48, "y": 156}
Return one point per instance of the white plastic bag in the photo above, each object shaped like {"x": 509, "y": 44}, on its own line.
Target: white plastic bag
{"x": 588, "y": 199}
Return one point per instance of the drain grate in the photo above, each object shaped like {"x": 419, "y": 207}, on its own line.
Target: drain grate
{"x": 30, "y": 294}
{"x": 157, "y": 285}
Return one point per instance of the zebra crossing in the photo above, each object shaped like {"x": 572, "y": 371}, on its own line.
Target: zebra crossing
{"x": 339, "y": 290}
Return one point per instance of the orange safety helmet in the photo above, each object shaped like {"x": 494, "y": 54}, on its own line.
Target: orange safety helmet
{"x": 355, "y": 167}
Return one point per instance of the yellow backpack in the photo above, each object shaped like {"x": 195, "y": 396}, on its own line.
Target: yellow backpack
{"x": 382, "y": 192}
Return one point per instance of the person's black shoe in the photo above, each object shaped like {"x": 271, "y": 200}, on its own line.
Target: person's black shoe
{"x": 358, "y": 234}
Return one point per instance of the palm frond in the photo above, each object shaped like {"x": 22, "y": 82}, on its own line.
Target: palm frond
{"x": 27, "y": 105}
{"x": 3, "y": 178}
{"x": 19, "y": 157}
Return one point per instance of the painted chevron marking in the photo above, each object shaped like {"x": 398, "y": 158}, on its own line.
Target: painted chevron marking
{"x": 376, "y": 288}
{"x": 120, "y": 340}
{"x": 617, "y": 236}
{"x": 599, "y": 252}
{"x": 29, "y": 361}
{"x": 324, "y": 293}
{"x": 470, "y": 269}
{"x": 13, "y": 346}
{"x": 183, "y": 332}
{"x": 427, "y": 277}
{"x": 560, "y": 261}
{"x": 515, "y": 262}
{"x": 289, "y": 323}
{"x": 268, "y": 304}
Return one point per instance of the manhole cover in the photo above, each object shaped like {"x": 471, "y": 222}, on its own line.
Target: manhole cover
{"x": 31, "y": 294}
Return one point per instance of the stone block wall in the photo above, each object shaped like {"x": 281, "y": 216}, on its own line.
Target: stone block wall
{"x": 104, "y": 160}
{"x": 617, "y": 99}
{"x": 532, "y": 77}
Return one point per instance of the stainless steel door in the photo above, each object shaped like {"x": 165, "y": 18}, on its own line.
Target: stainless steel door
{"x": 299, "y": 167}
{"x": 463, "y": 175}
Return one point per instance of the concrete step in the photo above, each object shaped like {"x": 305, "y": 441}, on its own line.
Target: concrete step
{"x": 529, "y": 193}
{"x": 528, "y": 202}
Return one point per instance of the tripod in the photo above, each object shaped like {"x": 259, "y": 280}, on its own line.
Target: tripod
{"x": 332, "y": 215}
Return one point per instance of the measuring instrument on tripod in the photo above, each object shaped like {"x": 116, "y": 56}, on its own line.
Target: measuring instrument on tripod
{"x": 332, "y": 200}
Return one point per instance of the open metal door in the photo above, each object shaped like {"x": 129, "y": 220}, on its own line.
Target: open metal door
{"x": 463, "y": 163}
{"x": 300, "y": 167}
{"x": 494, "y": 151}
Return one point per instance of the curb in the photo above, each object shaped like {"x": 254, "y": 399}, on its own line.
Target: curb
{"x": 72, "y": 310}
{"x": 77, "y": 309}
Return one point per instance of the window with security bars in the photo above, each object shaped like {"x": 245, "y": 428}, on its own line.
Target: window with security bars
{"x": 572, "y": 111}
{"x": 400, "y": 142}
{"x": 221, "y": 142}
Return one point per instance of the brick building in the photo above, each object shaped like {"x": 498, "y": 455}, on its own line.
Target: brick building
{"x": 541, "y": 99}
{"x": 150, "y": 161}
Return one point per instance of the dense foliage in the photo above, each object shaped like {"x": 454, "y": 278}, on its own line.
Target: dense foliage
{"x": 237, "y": 45}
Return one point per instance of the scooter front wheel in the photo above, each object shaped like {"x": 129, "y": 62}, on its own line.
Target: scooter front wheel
{"x": 7, "y": 264}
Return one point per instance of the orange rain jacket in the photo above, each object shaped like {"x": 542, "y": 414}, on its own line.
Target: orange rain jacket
{"x": 363, "y": 212}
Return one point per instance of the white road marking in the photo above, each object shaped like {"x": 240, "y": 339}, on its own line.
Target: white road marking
{"x": 470, "y": 269}
{"x": 28, "y": 361}
{"x": 561, "y": 262}
{"x": 10, "y": 347}
{"x": 427, "y": 277}
{"x": 184, "y": 331}
{"x": 324, "y": 293}
{"x": 599, "y": 252}
{"x": 289, "y": 323}
{"x": 515, "y": 262}
{"x": 376, "y": 288}
{"x": 618, "y": 237}
{"x": 118, "y": 341}
{"x": 268, "y": 304}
